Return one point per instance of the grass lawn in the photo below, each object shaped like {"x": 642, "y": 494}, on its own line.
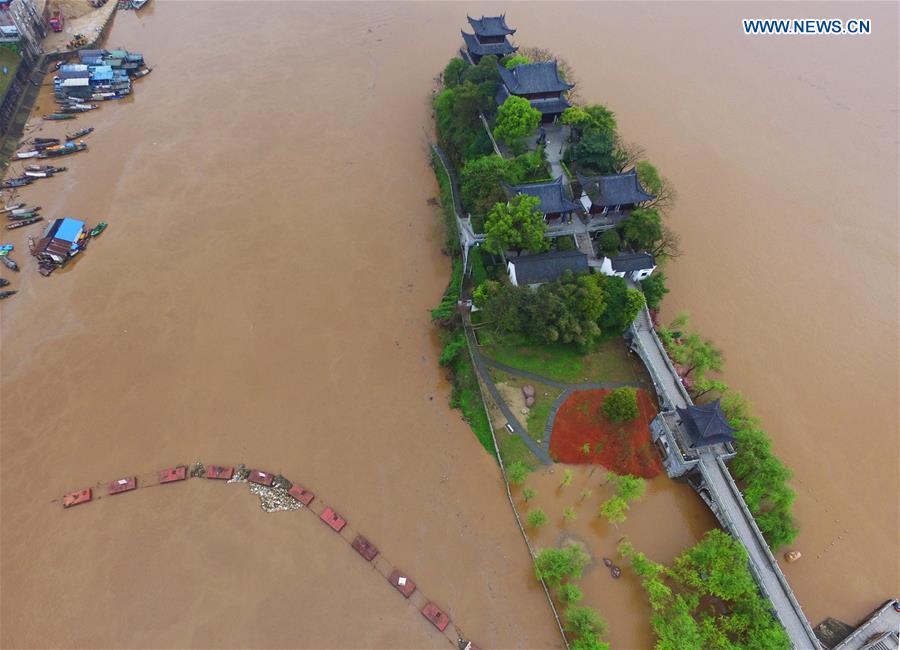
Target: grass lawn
{"x": 512, "y": 448}
{"x": 11, "y": 60}
{"x": 544, "y": 397}
{"x": 609, "y": 361}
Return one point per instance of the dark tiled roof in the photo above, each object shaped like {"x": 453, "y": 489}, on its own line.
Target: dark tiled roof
{"x": 552, "y": 195}
{"x": 706, "y": 425}
{"x": 628, "y": 262}
{"x": 490, "y": 25}
{"x": 546, "y": 267}
{"x": 529, "y": 78}
{"x": 615, "y": 189}
{"x": 483, "y": 49}
{"x": 552, "y": 106}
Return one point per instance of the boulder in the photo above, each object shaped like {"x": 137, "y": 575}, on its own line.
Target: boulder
{"x": 793, "y": 556}
{"x": 529, "y": 402}
{"x": 528, "y": 390}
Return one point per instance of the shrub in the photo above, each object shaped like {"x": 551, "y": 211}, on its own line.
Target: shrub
{"x": 654, "y": 289}
{"x": 610, "y": 242}
{"x": 536, "y": 518}
{"x": 517, "y": 472}
{"x": 555, "y": 565}
{"x": 621, "y": 404}
{"x": 569, "y": 593}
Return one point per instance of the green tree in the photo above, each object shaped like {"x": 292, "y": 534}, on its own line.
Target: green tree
{"x": 453, "y": 73}
{"x": 528, "y": 494}
{"x": 596, "y": 153}
{"x": 565, "y": 243}
{"x": 514, "y": 60}
{"x": 654, "y": 289}
{"x": 610, "y": 242}
{"x": 569, "y": 593}
{"x": 642, "y": 228}
{"x": 630, "y": 487}
{"x": 555, "y": 565}
{"x": 456, "y": 115}
{"x": 517, "y": 225}
{"x": 585, "y": 493}
{"x": 536, "y": 518}
{"x": 596, "y": 118}
{"x": 620, "y": 405}
{"x": 516, "y": 120}
{"x": 634, "y": 303}
{"x": 484, "y": 73}
{"x": 569, "y": 514}
{"x": 481, "y": 183}
{"x": 517, "y": 472}
{"x": 566, "y": 479}
{"x": 655, "y": 184}
{"x": 587, "y": 626}
{"x": 614, "y": 509}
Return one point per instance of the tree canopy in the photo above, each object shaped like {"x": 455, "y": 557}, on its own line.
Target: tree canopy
{"x": 597, "y": 153}
{"x": 481, "y": 180}
{"x": 621, "y": 404}
{"x": 516, "y": 120}
{"x": 642, "y": 229}
{"x": 517, "y": 225}
{"x": 654, "y": 289}
{"x": 556, "y": 565}
{"x": 514, "y": 60}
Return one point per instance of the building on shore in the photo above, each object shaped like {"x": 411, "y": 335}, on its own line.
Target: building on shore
{"x": 554, "y": 200}
{"x": 490, "y": 37}
{"x": 637, "y": 266}
{"x": 21, "y": 25}
{"x": 63, "y": 239}
{"x": 612, "y": 193}
{"x": 706, "y": 425}
{"x": 879, "y": 631}
{"x": 535, "y": 270}
{"x": 540, "y": 84}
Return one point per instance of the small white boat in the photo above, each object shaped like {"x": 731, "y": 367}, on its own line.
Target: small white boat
{"x": 38, "y": 174}
{"x": 21, "y": 155}
{"x": 12, "y": 208}
{"x": 137, "y": 4}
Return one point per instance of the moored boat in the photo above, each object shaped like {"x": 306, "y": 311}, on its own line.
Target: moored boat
{"x": 3, "y": 282}
{"x": 23, "y": 210}
{"x": 16, "y": 182}
{"x": 137, "y": 4}
{"x": 45, "y": 140}
{"x": 22, "y": 155}
{"x": 21, "y": 217}
{"x": 60, "y": 116}
{"x": 22, "y": 224}
{"x": 79, "y": 133}
{"x": 10, "y": 264}
{"x": 143, "y": 72}
{"x": 99, "y": 228}
{"x": 12, "y": 208}
{"x": 63, "y": 149}
{"x": 7, "y": 294}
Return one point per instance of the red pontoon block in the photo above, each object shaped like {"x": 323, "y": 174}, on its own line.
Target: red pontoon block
{"x": 74, "y": 498}
{"x": 302, "y": 495}
{"x": 126, "y": 484}
{"x": 173, "y": 474}
{"x": 333, "y": 519}
{"x": 261, "y": 478}
{"x": 403, "y": 584}
{"x": 221, "y": 473}
{"x": 365, "y": 548}
{"x": 438, "y": 618}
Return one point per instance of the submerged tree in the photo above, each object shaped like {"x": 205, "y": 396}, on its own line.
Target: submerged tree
{"x": 556, "y": 565}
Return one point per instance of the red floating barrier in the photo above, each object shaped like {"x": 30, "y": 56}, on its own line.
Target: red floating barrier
{"x": 122, "y": 485}
{"x": 74, "y": 498}
{"x": 434, "y": 614}
{"x": 403, "y": 584}
{"x": 302, "y": 495}
{"x": 333, "y": 519}
{"x": 365, "y": 548}
{"x": 221, "y": 473}
{"x": 262, "y": 478}
{"x": 173, "y": 474}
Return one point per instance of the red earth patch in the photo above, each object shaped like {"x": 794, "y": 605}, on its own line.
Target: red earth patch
{"x": 624, "y": 448}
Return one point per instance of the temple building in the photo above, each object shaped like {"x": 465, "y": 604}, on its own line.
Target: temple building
{"x": 535, "y": 270}
{"x": 637, "y": 266}
{"x": 539, "y": 83}
{"x": 554, "y": 202}
{"x": 706, "y": 425}
{"x": 489, "y": 37}
{"x": 612, "y": 192}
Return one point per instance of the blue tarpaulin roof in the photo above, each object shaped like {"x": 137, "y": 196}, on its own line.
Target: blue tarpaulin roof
{"x": 101, "y": 73}
{"x": 69, "y": 229}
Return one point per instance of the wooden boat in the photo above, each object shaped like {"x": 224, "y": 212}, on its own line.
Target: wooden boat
{"x": 137, "y": 4}
{"x": 21, "y": 217}
{"x": 99, "y": 228}
{"x": 10, "y": 264}
{"x": 16, "y": 182}
{"x": 25, "y": 222}
{"x": 77, "y": 108}
{"x": 143, "y": 72}
{"x": 22, "y": 155}
{"x": 59, "y": 116}
{"x": 12, "y": 208}
{"x": 45, "y": 140}
{"x": 7, "y": 294}
{"x": 63, "y": 149}
{"x": 79, "y": 133}
{"x": 3, "y": 282}
{"x": 23, "y": 210}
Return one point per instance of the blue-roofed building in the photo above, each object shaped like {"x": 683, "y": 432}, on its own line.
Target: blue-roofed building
{"x": 490, "y": 37}
{"x": 101, "y": 74}
{"x": 63, "y": 239}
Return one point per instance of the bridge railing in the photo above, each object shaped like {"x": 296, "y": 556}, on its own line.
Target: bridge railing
{"x": 646, "y": 324}
{"x": 737, "y": 497}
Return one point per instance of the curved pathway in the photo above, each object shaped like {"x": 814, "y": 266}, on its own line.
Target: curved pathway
{"x": 304, "y": 500}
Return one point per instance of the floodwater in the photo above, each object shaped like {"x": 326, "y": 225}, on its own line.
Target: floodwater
{"x": 261, "y": 296}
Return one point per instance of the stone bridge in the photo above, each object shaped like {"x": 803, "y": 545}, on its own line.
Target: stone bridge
{"x": 707, "y": 473}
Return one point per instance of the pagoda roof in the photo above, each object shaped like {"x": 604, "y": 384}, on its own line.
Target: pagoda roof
{"x": 491, "y": 25}
{"x": 528, "y": 78}
{"x": 615, "y": 189}
{"x": 706, "y": 424}
{"x": 628, "y": 262}
{"x": 547, "y": 267}
{"x": 552, "y": 195}
{"x": 483, "y": 49}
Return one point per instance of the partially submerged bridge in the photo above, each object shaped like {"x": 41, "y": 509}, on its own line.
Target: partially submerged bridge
{"x": 707, "y": 473}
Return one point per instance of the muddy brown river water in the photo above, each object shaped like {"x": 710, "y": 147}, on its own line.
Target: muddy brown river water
{"x": 261, "y": 295}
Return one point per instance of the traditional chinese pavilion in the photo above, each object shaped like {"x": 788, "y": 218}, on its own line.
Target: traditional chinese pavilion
{"x": 706, "y": 425}
{"x": 554, "y": 201}
{"x": 489, "y": 37}
{"x": 539, "y": 83}
{"x": 612, "y": 192}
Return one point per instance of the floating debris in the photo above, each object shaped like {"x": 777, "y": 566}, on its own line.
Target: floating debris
{"x": 274, "y": 499}
{"x": 241, "y": 474}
